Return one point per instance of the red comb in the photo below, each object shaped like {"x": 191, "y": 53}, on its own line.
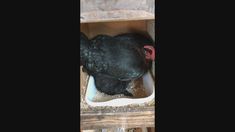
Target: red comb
{"x": 150, "y": 54}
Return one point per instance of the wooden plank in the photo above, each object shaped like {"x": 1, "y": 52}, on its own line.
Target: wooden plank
{"x": 151, "y": 28}
{"x": 116, "y": 10}
{"x": 117, "y": 15}
{"x": 151, "y": 129}
{"x": 115, "y": 28}
{"x": 140, "y": 117}
{"x": 88, "y": 131}
{"x": 151, "y": 32}
{"x": 99, "y": 5}
{"x": 84, "y": 28}
{"x": 114, "y": 129}
{"x": 109, "y": 5}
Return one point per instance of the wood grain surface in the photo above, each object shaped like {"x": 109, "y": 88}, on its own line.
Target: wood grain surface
{"x": 143, "y": 117}
{"x": 116, "y": 10}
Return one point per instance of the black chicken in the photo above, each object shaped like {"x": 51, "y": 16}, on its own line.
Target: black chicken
{"x": 136, "y": 39}
{"x": 111, "y": 86}
{"x": 114, "y": 61}
{"x": 116, "y": 58}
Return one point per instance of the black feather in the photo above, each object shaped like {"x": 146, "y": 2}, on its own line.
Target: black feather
{"x": 110, "y": 85}
{"x": 114, "y": 61}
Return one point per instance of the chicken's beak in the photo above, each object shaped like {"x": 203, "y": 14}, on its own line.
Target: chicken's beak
{"x": 150, "y": 52}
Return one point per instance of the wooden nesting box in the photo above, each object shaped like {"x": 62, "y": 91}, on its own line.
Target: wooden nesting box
{"x": 113, "y": 17}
